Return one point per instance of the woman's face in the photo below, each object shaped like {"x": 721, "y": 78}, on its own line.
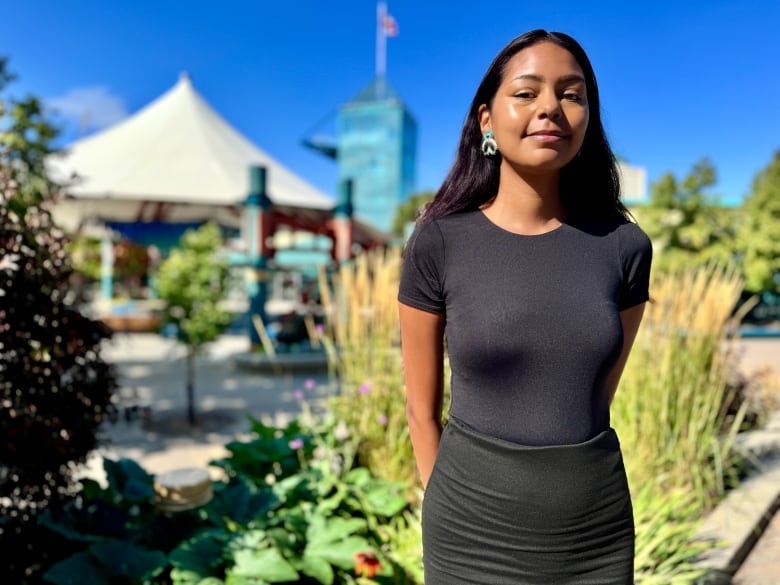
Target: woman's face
{"x": 540, "y": 111}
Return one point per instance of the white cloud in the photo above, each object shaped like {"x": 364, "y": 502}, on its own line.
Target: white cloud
{"x": 89, "y": 107}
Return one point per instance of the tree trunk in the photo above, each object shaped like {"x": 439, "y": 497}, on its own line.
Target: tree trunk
{"x": 191, "y": 385}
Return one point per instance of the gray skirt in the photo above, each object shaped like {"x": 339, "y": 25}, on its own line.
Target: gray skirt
{"x": 500, "y": 513}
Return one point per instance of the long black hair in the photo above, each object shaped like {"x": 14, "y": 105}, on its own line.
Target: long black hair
{"x": 589, "y": 184}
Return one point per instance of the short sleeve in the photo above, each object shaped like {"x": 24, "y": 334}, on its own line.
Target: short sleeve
{"x": 423, "y": 269}
{"x": 636, "y": 253}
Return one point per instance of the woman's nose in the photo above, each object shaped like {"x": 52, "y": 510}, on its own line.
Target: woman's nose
{"x": 550, "y": 107}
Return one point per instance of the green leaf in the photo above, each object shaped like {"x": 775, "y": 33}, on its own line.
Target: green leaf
{"x": 198, "y": 555}
{"x": 341, "y": 554}
{"x": 329, "y": 505}
{"x": 211, "y": 581}
{"x": 61, "y": 527}
{"x": 240, "y": 503}
{"x": 90, "y": 489}
{"x": 187, "y": 577}
{"x": 129, "y": 479}
{"x": 384, "y": 499}
{"x": 233, "y": 579}
{"x": 78, "y": 569}
{"x": 358, "y": 476}
{"x": 250, "y": 539}
{"x": 322, "y": 530}
{"x": 317, "y": 568}
{"x": 122, "y": 559}
{"x": 266, "y": 564}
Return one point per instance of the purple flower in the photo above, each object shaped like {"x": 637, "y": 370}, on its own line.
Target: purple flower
{"x": 298, "y": 394}
{"x": 319, "y": 328}
{"x": 365, "y": 388}
{"x": 296, "y": 443}
{"x": 381, "y": 419}
{"x": 309, "y": 384}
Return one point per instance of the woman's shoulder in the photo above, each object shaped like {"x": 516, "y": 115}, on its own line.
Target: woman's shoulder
{"x": 616, "y": 226}
{"x": 446, "y": 226}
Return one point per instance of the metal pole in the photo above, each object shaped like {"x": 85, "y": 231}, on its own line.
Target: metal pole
{"x": 381, "y": 40}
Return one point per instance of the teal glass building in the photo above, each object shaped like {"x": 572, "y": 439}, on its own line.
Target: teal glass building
{"x": 377, "y": 149}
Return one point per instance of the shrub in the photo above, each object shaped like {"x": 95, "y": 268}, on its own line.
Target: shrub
{"x": 55, "y": 389}
{"x": 292, "y": 510}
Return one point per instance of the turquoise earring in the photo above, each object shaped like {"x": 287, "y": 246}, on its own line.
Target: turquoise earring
{"x": 489, "y": 146}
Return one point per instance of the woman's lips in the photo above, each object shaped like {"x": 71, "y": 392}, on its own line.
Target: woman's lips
{"x": 547, "y": 136}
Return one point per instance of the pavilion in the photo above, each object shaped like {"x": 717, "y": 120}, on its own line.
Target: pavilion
{"x": 177, "y": 163}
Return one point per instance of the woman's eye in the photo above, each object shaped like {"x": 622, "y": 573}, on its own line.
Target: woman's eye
{"x": 571, "y": 96}
{"x": 524, "y": 94}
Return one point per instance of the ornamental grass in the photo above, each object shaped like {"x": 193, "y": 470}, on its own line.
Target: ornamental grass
{"x": 672, "y": 408}
{"x": 677, "y": 419}
{"x": 363, "y": 342}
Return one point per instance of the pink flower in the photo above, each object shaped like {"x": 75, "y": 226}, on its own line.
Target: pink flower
{"x": 365, "y": 388}
{"x": 381, "y": 419}
{"x": 309, "y": 384}
{"x": 319, "y": 328}
{"x": 298, "y": 394}
{"x": 296, "y": 443}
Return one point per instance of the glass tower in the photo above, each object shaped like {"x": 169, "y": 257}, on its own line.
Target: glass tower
{"x": 377, "y": 147}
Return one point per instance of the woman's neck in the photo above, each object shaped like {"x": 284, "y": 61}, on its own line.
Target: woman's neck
{"x": 527, "y": 204}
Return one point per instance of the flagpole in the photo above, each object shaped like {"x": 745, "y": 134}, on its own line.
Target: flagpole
{"x": 381, "y": 40}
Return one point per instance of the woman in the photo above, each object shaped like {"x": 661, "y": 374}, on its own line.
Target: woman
{"x": 527, "y": 260}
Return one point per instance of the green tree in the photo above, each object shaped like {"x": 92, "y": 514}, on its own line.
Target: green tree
{"x": 192, "y": 282}
{"x": 685, "y": 223}
{"x": 758, "y": 237}
{"x": 26, "y": 137}
{"x": 55, "y": 388}
{"x": 409, "y": 210}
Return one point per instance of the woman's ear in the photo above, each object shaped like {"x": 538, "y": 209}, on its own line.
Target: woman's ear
{"x": 483, "y": 115}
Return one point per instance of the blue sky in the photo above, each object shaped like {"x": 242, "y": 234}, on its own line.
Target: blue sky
{"x": 680, "y": 80}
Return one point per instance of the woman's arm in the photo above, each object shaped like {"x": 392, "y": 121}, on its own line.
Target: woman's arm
{"x": 630, "y": 320}
{"x": 422, "y": 346}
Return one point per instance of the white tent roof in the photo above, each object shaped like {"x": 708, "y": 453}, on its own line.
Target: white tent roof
{"x": 178, "y": 150}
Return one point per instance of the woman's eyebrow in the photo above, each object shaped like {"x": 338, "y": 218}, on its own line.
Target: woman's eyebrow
{"x": 573, "y": 77}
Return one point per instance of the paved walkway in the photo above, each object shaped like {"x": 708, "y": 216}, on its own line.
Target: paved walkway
{"x": 762, "y": 566}
{"x": 152, "y": 373}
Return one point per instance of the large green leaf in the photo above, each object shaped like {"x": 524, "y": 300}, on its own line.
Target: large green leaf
{"x": 78, "y": 569}
{"x": 324, "y": 530}
{"x": 267, "y": 564}
{"x": 358, "y": 476}
{"x": 233, "y": 579}
{"x": 198, "y": 555}
{"x": 240, "y": 503}
{"x": 341, "y": 554}
{"x": 187, "y": 577}
{"x": 317, "y": 568}
{"x": 249, "y": 539}
{"x": 129, "y": 479}
{"x": 60, "y": 527}
{"x": 123, "y": 559}
{"x": 383, "y": 498}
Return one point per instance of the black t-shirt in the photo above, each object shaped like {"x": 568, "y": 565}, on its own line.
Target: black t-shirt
{"x": 532, "y": 322}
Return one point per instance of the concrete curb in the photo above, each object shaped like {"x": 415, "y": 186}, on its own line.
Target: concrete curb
{"x": 740, "y": 519}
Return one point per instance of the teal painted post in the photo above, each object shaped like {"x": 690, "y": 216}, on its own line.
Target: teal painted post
{"x": 107, "y": 268}
{"x": 343, "y": 228}
{"x": 258, "y": 207}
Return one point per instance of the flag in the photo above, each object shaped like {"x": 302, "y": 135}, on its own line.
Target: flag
{"x": 389, "y": 25}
